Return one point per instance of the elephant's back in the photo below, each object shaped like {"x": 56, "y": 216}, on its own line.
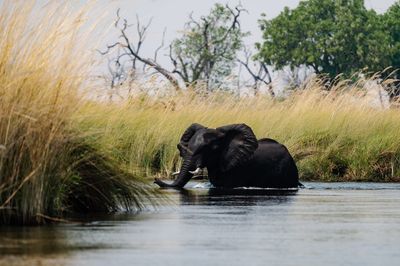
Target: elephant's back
{"x": 271, "y": 149}
{"x": 276, "y": 163}
{"x": 271, "y": 166}
{"x": 267, "y": 140}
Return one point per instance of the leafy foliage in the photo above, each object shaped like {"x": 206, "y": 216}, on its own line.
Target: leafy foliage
{"x": 207, "y": 49}
{"x": 331, "y": 37}
{"x": 392, "y": 24}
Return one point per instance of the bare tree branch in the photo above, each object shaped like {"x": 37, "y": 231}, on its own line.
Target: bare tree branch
{"x": 175, "y": 64}
{"x": 216, "y": 38}
{"x": 261, "y": 75}
{"x": 150, "y": 63}
{"x": 133, "y": 51}
{"x": 161, "y": 45}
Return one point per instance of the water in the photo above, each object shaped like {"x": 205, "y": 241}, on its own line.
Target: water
{"x": 324, "y": 224}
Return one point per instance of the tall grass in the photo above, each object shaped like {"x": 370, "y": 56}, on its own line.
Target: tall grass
{"x": 334, "y": 136}
{"x": 61, "y": 152}
{"x": 48, "y": 168}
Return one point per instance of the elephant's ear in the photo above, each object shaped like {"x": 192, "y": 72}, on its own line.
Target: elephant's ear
{"x": 239, "y": 145}
{"x": 187, "y": 135}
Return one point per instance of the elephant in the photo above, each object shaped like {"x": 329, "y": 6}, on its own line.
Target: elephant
{"x": 234, "y": 158}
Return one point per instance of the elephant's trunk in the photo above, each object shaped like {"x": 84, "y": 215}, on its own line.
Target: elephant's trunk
{"x": 184, "y": 175}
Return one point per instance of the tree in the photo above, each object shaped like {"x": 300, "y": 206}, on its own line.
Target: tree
{"x": 259, "y": 72}
{"x": 331, "y": 37}
{"x": 207, "y": 49}
{"x": 131, "y": 52}
{"x": 392, "y": 24}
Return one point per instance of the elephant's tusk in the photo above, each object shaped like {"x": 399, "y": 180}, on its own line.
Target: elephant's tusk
{"x": 175, "y": 173}
{"x": 196, "y": 172}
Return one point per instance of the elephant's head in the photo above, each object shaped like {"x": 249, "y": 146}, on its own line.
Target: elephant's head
{"x": 221, "y": 149}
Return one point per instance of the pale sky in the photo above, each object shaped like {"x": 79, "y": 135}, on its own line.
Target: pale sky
{"x": 172, "y": 14}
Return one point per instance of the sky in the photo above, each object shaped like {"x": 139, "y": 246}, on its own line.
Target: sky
{"x": 172, "y": 14}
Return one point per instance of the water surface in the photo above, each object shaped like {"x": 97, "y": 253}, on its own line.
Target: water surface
{"x": 323, "y": 224}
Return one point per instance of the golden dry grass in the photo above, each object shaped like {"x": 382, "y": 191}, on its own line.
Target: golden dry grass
{"x": 60, "y": 151}
{"x": 334, "y": 136}
{"x": 44, "y": 164}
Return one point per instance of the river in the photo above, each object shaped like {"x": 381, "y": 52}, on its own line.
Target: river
{"x": 322, "y": 224}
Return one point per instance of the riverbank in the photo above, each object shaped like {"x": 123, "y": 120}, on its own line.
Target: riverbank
{"x": 62, "y": 152}
{"x": 334, "y": 136}
{"x": 48, "y": 167}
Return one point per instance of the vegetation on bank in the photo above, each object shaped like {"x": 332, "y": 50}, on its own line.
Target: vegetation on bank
{"x": 332, "y": 37}
{"x": 48, "y": 167}
{"x": 334, "y": 136}
{"x": 61, "y": 152}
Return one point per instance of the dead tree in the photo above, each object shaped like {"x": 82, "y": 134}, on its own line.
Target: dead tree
{"x": 296, "y": 78}
{"x": 260, "y": 75}
{"x": 207, "y": 52}
{"x": 209, "y": 48}
{"x": 132, "y": 51}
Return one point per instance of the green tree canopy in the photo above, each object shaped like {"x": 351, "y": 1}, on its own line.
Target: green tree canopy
{"x": 208, "y": 46}
{"x": 392, "y": 24}
{"x": 331, "y": 37}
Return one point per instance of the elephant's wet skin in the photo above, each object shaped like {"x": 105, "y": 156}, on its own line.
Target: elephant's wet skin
{"x": 234, "y": 158}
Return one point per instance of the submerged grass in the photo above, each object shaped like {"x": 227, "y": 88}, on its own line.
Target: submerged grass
{"x": 47, "y": 167}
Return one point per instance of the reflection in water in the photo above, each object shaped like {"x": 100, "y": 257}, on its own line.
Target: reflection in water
{"x": 31, "y": 240}
{"x": 232, "y": 197}
{"x": 28, "y": 245}
{"x": 330, "y": 224}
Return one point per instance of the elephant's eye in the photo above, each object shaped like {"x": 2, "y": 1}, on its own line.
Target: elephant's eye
{"x": 214, "y": 146}
{"x": 198, "y": 150}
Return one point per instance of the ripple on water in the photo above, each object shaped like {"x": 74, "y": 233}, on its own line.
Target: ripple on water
{"x": 322, "y": 224}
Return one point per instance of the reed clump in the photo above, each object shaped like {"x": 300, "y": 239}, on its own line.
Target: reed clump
{"x": 61, "y": 152}
{"x": 47, "y": 168}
